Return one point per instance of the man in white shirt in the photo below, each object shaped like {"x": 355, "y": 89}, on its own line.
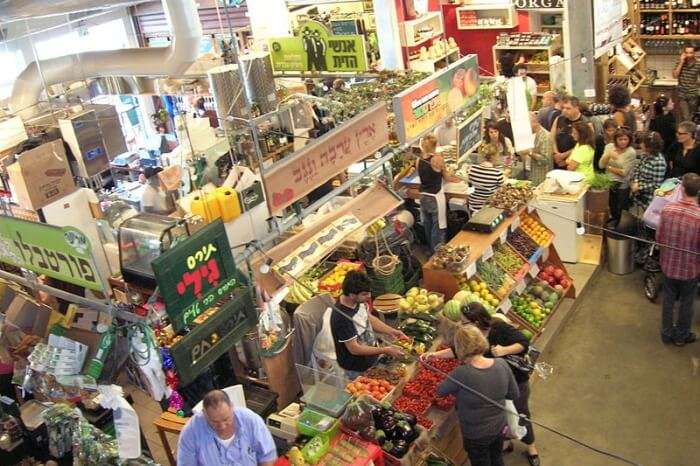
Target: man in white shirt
{"x": 520, "y": 71}
{"x": 446, "y": 133}
{"x": 154, "y": 199}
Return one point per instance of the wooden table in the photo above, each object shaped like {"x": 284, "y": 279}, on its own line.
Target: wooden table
{"x": 169, "y": 422}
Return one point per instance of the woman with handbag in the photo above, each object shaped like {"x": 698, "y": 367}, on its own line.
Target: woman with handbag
{"x": 482, "y": 424}
{"x": 505, "y": 341}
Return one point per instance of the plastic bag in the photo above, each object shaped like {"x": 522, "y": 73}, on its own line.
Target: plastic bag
{"x": 358, "y": 415}
{"x": 515, "y": 430}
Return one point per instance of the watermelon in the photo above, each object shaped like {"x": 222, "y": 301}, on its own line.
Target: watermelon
{"x": 462, "y": 297}
{"x": 452, "y": 310}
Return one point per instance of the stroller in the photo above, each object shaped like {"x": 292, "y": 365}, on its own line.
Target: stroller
{"x": 648, "y": 252}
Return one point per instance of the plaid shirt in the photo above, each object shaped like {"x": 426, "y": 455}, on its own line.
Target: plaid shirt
{"x": 680, "y": 228}
{"x": 649, "y": 173}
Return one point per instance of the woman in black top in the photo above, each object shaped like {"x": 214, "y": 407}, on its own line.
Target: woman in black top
{"x": 684, "y": 155}
{"x": 619, "y": 99}
{"x": 504, "y": 339}
{"x": 663, "y": 121}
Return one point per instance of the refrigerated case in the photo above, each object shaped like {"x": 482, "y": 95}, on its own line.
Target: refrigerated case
{"x": 142, "y": 238}
{"x": 562, "y": 214}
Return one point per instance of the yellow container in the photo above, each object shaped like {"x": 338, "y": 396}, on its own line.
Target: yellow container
{"x": 229, "y": 205}
{"x": 206, "y": 206}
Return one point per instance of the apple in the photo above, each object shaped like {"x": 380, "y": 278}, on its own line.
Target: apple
{"x": 565, "y": 283}
{"x": 552, "y": 281}
{"x": 558, "y": 274}
{"x": 549, "y": 269}
{"x": 558, "y": 287}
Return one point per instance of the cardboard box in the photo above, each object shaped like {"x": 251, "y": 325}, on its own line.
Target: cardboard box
{"x": 29, "y": 315}
{"x": 41, "y": 175}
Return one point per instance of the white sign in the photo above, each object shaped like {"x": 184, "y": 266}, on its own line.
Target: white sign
{"x": 504, "y": 236}
{"x": 506, "y": 305}
{"x": 607, "y": 24}
{"x": 520, "y": 287}
{"x": 471, "y": 270}
{"x": 534, "y": 270}
{"x": 515, "y": 224}
{"x": 519, "y": 115}
{"x": 488, "y": 253}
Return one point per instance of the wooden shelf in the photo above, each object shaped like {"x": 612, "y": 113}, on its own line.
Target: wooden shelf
{"x": 506, "y": 13}
{"x": 407, "y": 29}
{"x": 672, "y": 36}
{"x": 521, "y": 47}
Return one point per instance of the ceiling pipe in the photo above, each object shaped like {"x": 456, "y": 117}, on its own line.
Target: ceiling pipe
{"x": 186, "y": 33}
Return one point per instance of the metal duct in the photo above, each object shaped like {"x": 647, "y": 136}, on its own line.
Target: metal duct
{"x": 260, "y": 81}
{"x": 186, "y": 29}
{"x": 229, "y": 95}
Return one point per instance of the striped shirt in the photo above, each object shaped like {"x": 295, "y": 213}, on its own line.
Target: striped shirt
{"x": 649, "y": 173}
{"x": 485, "y": 181}
{"x": 688, "y": 78}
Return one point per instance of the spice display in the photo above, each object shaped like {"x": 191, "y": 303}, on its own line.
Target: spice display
{"x": 507, "y": 259}
{"x": 454, "y": 259}
{"x": 510, "y": 197}
{"x": 535, "y": 230}
{"x": 522, "y": 243}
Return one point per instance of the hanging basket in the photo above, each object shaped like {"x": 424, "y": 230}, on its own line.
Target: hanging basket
{"x": 384, "y": 264}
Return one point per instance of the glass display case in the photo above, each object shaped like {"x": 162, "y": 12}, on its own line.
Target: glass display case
{"x": 142, "y": 238}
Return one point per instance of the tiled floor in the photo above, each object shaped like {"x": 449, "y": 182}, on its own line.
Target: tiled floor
{"x": 148, "y": 411}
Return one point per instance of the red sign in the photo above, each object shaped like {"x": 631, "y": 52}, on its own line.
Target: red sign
{"x": 296, "y": 176}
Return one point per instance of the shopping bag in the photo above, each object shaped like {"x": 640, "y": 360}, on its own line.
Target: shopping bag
{"x": 515, "y": 430}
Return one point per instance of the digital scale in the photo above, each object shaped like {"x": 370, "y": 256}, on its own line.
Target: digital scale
{"x": 485, "y": 220}
{"x": 284, "y": 423}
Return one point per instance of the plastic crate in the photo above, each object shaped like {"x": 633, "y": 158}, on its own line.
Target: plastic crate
{"x": 314, "y": 457}
{"x": 312, "y": 423}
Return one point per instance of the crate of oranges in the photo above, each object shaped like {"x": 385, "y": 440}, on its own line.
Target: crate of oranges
{"x": 535, "y": 230}
{"x": 379, "y": 389}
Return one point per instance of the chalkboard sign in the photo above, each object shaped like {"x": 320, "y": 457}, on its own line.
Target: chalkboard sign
{"x": 196, "y": 273}
{"x": 469, "y": 134}
{"x": 344, "y": 27}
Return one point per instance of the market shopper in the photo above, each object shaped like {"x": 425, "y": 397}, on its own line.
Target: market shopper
{"x": 433, "y": 203}
{"x": 684, "y": 156}
{"x": 503, "y": 145}
{"x": 225, "y": 435}
{"x": 663, "y": 121}
{"x": 562, "y": 129}
{"x": 551, "y": 108}
{"x": 353, "y": 328}
{"x": 606, "y": 137}
{"x": 482, "y": 423}
{"x": 649, "y": 172}
{"x": 678, "y": 236}
{"x": 484, "y": 177}
{"x": 539, "y": 159}
{"x": 580, "y": 159}
{"x": 619, "y": 160}
{"x": 687, "y": 71}
{"x": 619, "y": 99}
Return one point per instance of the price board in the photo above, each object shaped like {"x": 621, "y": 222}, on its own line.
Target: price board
{"x": 469, "y": 134}
{"x": 196, "y": 273}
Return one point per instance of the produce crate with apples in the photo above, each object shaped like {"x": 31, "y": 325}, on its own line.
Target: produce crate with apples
{"x": 536, "y": 304}
{"x": 420, "y": 300}
{"x": 333, "y": 281}
{"x": 539, "y": 233}
{"x": 555, "y": 277}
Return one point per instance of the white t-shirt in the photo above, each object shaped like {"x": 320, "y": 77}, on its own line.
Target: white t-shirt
{"x": 531, "y": 86}
{"x": 155, "y": 199}
{"x": 444, "y": 135}
{"x": 324, "y": 346}
{"x": 227, "y": 442}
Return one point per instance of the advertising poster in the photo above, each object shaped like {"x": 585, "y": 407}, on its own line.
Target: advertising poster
{"x": 419, "y": 108}
{"x": 315, "y": 48}
{"x": 607, "y": 24}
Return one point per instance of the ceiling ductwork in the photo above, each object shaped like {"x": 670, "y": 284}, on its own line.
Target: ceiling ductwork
{"x": 186, "y": 33}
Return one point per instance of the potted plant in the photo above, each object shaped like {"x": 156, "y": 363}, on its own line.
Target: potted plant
{"x": 597, "y": 201}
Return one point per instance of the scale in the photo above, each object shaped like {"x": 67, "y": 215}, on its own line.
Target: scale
{"x": 485, "y": 220}
{"x": 284, "y": 423}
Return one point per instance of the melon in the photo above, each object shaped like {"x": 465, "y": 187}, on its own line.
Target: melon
{"x": 462, "y": 296}
{"x": 452, "y": 310}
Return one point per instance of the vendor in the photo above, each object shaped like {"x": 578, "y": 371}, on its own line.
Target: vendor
{"x": 503, "y": 144}
{"x": 353, "y": 327}
{"x": 223, "y": 435}
{"x": 446, "y": 133}
{"x": 433, "y": 203}
{"x": 155, "y": 200}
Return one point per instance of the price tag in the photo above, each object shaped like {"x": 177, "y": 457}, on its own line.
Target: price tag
{"x": 534, "y": 270}
{"x": 545, "y": 255}
{"x": 506, "y": 305}
{"x": 488, "y": 253}
{"x": 515, "y": 224}
{"x": 504, "y": 235}
{"x": 471, "y": 270}
{"x": 520, "y": 287}
{"x": 530, "y": 207}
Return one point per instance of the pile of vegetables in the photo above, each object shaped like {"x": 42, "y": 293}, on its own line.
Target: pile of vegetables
{"x": 536, "y": 303}
{"x": 376, "y": 388}
{"x": 494, "y": 277}
{"x": 390, "y": 428}
{"x": 421, "y": 329}
{"x": 451, "y": 258}
{"x": 411, "y": 346}
{"x": 474, "y": 290}
{"x": 382, "y": 373}
{"x": 507, "y": 259}
{"x": 522, "y": 243}
{"x": 510, "y": 197}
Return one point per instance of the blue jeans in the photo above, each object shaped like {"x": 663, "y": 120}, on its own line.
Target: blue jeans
{"x": 683, "y": 291}
{"x": 429, "y": 215}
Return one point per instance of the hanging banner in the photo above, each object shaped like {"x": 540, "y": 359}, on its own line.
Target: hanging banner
{"x": 421, "y": 107}
{"x": 61, "y": 253}
{"x": 469, "y": 133}
{"x": 538, "y": 4}
{"x": 322, "y": 159}
{"x": 607, "y": 24}
{"x": 193, "y": 275}
{"x": 317, "y": 49}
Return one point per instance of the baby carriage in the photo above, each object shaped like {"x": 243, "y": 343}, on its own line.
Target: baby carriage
{"x": 648, "y": 252}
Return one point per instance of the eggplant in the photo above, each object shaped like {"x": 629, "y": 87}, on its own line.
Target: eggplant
{"x": 380, "y": 436}
{"x": 399, "y": 449}
{"x": 411, "y": 419}
{"x": 403, "y": 431}
{"x": 368, "y": 433}
{"x": 386, "y": 423}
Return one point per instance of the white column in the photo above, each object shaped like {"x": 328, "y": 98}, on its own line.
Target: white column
{"x": 268, "y": 18}
{"x": 388, "y": 34}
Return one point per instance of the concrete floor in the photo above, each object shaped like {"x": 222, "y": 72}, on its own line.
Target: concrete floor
{"x": 616, "y": 386}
